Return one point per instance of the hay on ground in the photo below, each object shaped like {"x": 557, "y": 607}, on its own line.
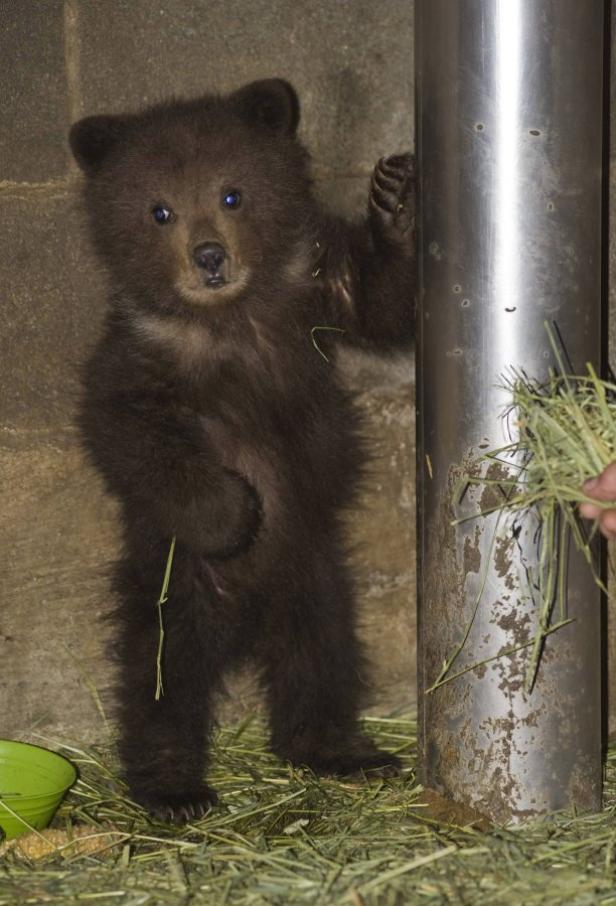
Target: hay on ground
{"x": 282, "y": 836}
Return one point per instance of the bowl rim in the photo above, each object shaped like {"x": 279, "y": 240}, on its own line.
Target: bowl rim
{"x": 48, "y": 753}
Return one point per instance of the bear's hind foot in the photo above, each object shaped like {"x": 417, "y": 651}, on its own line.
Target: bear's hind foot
{"x": 179, "y": 808}
{"x": 356, "y": 756}
{"x": 347, "y": 764}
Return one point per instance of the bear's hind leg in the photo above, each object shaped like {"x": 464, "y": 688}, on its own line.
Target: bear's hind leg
{"x": 163, "y": 742}
{"x": 314, "y": 674}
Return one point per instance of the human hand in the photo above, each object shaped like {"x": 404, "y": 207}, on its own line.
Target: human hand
{"x": 602, "y": 487}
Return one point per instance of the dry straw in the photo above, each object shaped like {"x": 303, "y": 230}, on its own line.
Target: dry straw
{"x": 566, "y": 434}
{"x": 282, "y": 836}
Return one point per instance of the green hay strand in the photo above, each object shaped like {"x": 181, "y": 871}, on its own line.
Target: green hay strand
{"x": 161, "y": 626}
{"x": 314, "y": 342}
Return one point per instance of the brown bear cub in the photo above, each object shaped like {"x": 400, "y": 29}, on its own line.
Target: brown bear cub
{"x": 213, "y": 411}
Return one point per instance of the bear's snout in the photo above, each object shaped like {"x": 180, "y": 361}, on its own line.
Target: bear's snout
{"x": 211, "y": 257}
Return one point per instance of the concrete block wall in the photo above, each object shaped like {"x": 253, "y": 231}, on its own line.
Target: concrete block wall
{"x": 352, "y": 64}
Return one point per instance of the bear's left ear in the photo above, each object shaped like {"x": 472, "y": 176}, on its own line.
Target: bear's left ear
{"x": 272, "y": 103}
{"x": 92, "y": 138}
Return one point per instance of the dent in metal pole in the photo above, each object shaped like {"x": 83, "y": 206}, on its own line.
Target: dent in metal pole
{"x": 510, "y": 152}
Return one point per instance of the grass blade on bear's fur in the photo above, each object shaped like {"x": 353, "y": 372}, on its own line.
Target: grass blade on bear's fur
{"x": 162, "y": 599}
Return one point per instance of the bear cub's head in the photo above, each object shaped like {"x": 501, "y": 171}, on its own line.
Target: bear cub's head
{"x": 194, "y": 203}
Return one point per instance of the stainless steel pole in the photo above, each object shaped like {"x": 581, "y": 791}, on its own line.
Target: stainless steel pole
{"x": 510, "y": 133}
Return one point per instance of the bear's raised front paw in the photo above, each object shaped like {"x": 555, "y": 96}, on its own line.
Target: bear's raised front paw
{"x": 393, "y": 197}
{"x": 180, "y": 808}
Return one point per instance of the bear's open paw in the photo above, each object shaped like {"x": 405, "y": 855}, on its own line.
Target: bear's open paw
{"x": 392, "y": 198}
{"x": 180, "y": 808}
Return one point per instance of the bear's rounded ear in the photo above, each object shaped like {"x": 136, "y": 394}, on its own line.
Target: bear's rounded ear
{"x": 92, "y": 138}
{"x": 272, "y": 103}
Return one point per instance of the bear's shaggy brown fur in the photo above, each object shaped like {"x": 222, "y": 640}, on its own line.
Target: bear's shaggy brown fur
{"x": 213, "y": 411}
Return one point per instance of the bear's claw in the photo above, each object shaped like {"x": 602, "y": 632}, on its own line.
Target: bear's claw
{"x": 180, "y": 809}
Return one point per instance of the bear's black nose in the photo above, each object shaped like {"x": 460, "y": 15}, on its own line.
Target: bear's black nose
{"x": 209, "y": 256}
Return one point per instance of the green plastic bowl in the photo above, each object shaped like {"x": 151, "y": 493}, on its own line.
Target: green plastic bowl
{"x": 33, "y": 782}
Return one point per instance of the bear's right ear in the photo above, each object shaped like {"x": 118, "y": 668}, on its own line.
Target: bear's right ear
{"x": 92, "y": 138}
{"x": 271, "y": 103}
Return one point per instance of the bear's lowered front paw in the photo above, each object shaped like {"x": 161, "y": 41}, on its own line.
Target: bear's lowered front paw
{"x": 221, "y": 522}
{"x": 393, "y": 197}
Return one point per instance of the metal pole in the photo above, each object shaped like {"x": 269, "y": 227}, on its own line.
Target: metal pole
{"x": 510, "y": 134}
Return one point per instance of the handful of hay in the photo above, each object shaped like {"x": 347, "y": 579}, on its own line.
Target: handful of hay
{"x": 566, "y": 434}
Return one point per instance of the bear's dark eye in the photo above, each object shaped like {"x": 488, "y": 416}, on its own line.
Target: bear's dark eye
{"x": 231, "y": 199}
{"x": 161, "y": 214}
